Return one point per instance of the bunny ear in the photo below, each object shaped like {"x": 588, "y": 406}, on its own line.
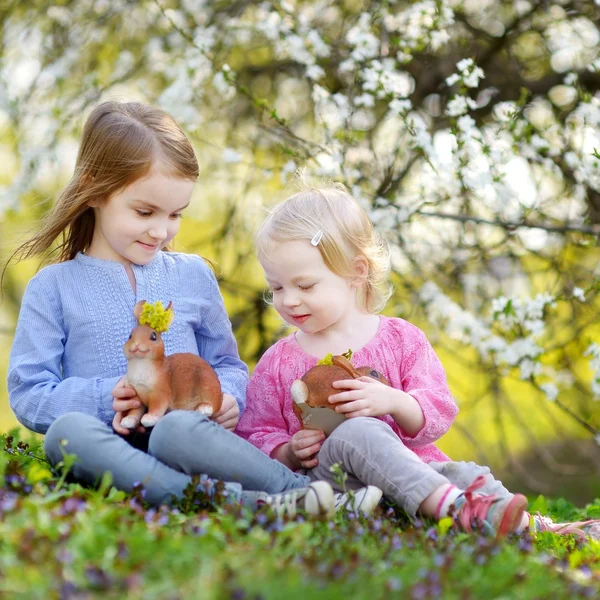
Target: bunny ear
{"x": 342, "y": 361}
{"x": 137, "y": 309}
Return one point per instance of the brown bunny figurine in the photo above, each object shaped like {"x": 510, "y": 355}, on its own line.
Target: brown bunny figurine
{"x": 182, "y": 381}
{"x": 311, "y": 393}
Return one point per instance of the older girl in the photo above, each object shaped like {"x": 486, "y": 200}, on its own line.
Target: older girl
{"x": 114, "y": 221}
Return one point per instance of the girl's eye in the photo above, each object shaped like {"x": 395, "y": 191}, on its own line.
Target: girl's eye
{"x": 305, "y": 288}
{"x": 176, "y": 216}
{"x": 275, "y": 289}
{"x": 153, "y": 336}
{"x": 143, "y": 213}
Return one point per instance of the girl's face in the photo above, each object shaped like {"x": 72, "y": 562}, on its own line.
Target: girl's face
{"x": 306, "y": 293}
{"x": 135, "y": 223}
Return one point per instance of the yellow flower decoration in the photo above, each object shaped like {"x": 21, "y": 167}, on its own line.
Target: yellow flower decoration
{"x": 156, "y": 316}
{"x": 328, "y": 358}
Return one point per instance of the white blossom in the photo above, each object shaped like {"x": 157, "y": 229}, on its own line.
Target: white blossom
{"x": 550, "y": 390}
{"x": 320, "y": 48}
{"x": 366, "y": 45}
{"x": 593, "y": 350}
{"x": 223, "y": 86}
{"x": 528, "y": 368}
{"x": 468, "y": 73}
{"x": 505, "y": 111}
{"x": 452, "y": 79}
{"x": 314, "y": 72}
{"x": 231, "y": 156}
{"x": 364, "y": 100}
{"x": 570, "y": 78}
{"x": 400, "y": 107}
{"x": 289, "y": 167}
{"x": 459, "y": 105}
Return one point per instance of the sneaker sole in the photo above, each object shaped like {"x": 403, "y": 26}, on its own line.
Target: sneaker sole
{"x": 321, "y": 500}
{"x": 371, "y": 500}
{"x": 512, "y": 515}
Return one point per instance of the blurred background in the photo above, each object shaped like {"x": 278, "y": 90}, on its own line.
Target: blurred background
{"x": 468, "y": 129}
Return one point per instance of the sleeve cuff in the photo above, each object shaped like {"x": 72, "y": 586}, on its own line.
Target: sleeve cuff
{"x": 273, "y": 442}
{"x": 104, "y": 388}
{"x": 236, "y": 395}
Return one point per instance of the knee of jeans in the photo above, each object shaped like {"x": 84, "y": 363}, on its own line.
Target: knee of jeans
{"x": 66, "y": 434}
{"x": 173, "y": 425}
{"x": 360, "y": 427}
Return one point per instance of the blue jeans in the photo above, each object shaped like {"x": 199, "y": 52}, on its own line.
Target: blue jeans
{"x": 181, "y": 444}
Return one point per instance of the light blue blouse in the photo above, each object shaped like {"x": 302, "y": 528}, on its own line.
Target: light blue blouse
{"x": 75, "y": 317}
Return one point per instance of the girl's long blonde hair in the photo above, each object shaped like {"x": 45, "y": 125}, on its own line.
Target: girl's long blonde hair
{"x": 121, "y": 142}
{"x": 347, "y": 233}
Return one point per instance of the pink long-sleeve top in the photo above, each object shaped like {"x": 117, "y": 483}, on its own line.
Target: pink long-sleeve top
{"x": 399, "y": 350}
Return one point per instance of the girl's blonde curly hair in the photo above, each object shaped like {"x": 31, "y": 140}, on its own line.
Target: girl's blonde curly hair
{"x": 347, "y": 234}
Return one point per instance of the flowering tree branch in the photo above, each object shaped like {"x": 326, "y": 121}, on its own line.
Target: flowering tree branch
{"x": 511, "y": 226}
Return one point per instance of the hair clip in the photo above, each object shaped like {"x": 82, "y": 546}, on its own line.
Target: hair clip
{"x": 317, "y": 238}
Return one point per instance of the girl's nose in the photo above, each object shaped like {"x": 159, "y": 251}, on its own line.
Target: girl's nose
{"x": 158, "y": 232}
{"x": 291, "y": 299}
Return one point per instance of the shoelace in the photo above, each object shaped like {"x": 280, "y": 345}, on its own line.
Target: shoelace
{"x": 546, "y": 524}
{"x": 475, "y": 508}
{"x": 342, "y": 500}
{"x": 284, "y": 504}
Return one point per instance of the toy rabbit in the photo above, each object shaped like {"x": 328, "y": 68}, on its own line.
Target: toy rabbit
{"x": 311, "y": 393}
{"x": 181, "y": 381}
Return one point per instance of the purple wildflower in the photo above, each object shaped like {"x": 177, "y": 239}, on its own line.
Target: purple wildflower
{"x": 419, "y": 591}
{"x": 394, "y": 584}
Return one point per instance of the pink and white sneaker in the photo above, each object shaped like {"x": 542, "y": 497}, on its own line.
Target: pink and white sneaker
{"x": 491, "y": 514}
{"x": 583, "y": 530}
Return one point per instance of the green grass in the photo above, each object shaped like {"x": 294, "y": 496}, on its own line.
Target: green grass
{"x": 60, "y": 540}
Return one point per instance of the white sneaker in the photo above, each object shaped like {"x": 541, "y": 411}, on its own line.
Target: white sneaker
{"x": 364, "y": 500}
{"x": 316, "y": 499}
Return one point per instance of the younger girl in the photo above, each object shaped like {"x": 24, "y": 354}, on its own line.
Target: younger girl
{"x": 133, "y": 178}
{"x": 326, "y": 270}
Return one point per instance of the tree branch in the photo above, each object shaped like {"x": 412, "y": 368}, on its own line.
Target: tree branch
{"x": 511, "y": 225}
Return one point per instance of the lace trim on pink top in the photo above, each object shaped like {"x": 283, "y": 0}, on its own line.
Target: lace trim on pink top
{"x": 399, "y": 350}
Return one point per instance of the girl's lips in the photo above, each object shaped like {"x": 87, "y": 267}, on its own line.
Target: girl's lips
{"x": 148, "y": 246}
{"x": 300, "y": 318}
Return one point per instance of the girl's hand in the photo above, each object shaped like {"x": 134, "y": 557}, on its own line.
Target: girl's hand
{"x": 229, "y": 414}
{"x": 365, "y": 397}
{"x": 304, "y": 446}
{"x": 124, "y": 398}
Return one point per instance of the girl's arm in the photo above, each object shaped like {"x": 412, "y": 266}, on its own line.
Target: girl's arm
{"x": 424, "y": 380}
{"x": 263, "y": 423}
{"x": 217, "y": 345}
{"x": 38, "y": 393}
